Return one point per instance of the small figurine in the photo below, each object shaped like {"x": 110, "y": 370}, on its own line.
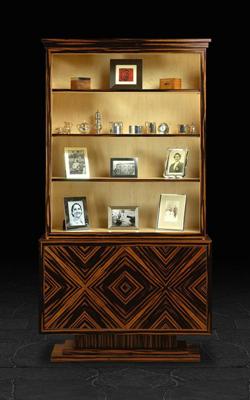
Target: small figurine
{"x": 192, "y": 128}
{"x": 98, "y": 122}
{"x": 67, "y": 127}
{"x": 64, "y": 130}
{"x": 83, "y": 127}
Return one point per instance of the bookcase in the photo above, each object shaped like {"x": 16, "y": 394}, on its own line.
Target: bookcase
{"x": 125, "y": 294}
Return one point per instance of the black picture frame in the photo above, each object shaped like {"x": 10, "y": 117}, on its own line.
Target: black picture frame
{"x": 135, "y": 64}
{"x": 68, "y": 218}
{"x": 115, "y": 174}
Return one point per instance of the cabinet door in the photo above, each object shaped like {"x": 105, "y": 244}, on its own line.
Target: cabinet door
{"x": 155, "y": 288}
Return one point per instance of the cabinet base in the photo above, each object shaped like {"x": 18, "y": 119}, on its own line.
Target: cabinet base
{"x": 67, "y": 352}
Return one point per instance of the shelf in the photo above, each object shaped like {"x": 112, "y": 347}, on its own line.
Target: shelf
{"x": 125, "y": 231}
{"x": 111, "y": 179}
{"x": 128, "y": 135}
{"x": 126, "y": 91}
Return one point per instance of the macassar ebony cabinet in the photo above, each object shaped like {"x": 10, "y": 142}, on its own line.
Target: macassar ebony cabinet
{"x": 125, "y": 294}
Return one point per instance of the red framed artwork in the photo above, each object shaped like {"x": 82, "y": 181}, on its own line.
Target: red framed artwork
{"x": 126, "y": 74}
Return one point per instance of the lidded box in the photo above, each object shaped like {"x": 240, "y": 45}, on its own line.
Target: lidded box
{"x": 80, "y": 83}
{"x": 170, "y": 83}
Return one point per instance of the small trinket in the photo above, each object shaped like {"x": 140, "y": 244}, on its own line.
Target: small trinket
{"x": 98, "y": 121}
{"x": 83, "y": 127}
{"x": 150, "y": 127}
{"x": 135, "y": 129}
{"x": 116, "y": 127}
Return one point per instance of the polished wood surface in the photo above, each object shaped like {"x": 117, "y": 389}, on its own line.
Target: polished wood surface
{"x": 125, "y": 288}
{"x": 68, "y": 352}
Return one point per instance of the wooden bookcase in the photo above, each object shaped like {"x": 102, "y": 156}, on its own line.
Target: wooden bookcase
{"x": 126, "y": 295}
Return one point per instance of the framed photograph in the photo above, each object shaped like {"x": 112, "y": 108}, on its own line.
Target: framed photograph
{"x": 124, "y": 167}
{"x": 123, "y": 217}
{"x": 76, "y": 162}
{"x": 176, "y": 163}
{"x": 76, "y": 214}
{"x": 126, "y": 74}
{"x": 171, "y": 212}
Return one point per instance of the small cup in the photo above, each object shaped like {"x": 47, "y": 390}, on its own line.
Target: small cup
{"x": 135, "y": 129}
{"x": 184, "y": 128}
{"x": 150, "y": 127}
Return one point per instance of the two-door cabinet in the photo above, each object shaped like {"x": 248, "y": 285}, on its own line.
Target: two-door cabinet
{"x": 125, "y": 294}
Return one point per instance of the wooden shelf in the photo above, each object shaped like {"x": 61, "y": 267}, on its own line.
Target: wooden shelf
{"x": 128, "y": 135}
{"x": 126, "y": 91}
{"x": 125, "y": 231}
{"x": 112, "y": 179}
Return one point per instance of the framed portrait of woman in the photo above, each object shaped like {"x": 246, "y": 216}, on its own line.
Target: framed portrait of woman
{"x": 76, "y": 213}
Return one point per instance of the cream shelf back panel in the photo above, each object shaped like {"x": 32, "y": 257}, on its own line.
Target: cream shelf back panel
{"x": 151, "y": 153}
{"x": 155, "y": 66}
{"x": 132, "y": 108}
{"x": 145, "y": 195}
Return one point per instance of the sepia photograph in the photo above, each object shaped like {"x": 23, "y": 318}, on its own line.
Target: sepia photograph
{"x": 75, "y": 211}
{"x": 76, "y": 162}
{"x": 124, "y": 167}
{"x": 171, "y": 211}
{"x": 121, "y": 217}
{"x": 176, "y": 163}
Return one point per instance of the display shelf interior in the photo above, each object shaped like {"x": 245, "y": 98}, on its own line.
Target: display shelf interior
{"x": 131, "y": 90}
{"x": 127, "y": 135}
{"x": 128, "y": 107}
{"x": 93, "y": 230}
{"x": 151, "y": 154}
{"x": 117, "y": 179}
{"x": 100, "y": 195}
{"x": 97, "y": 67}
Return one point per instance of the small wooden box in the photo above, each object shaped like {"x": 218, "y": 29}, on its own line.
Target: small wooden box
{"x": 80, "y": 83}
{"x": 170, "y": 83}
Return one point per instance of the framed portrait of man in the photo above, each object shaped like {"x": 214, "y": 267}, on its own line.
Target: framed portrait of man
{"x": 171, "y": 212}
{"x": 176, "y": 162}
{"x": 76, "y": 213}
{"x": 76, "y": 162}
{"x": 120, "y": 217}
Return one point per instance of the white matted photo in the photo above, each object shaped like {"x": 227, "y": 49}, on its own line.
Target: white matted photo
{"x": 76, "y": 214}
{"x": 120, "y": 217}
{"x": 171, "y": 212}
{"x": 124, "y": 167}
{"x": 176, "y": 163}
{"x": 76, "y": 162}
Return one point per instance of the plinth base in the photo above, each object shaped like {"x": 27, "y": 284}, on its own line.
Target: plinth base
{"x": 67, "y": 352}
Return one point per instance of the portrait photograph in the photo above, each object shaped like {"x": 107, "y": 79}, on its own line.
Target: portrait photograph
{"x": 171, "y": 212}
{"x": 126, "y": 74}
{"x": 75, "y": 211}
{"x": 123, "y": 217}
{"x": 124, "y": 167}
{"x": 76, "y": 162}
{"x": 175, "y": 163}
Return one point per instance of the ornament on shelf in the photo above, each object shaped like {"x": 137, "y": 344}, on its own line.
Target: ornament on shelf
{"x": 98, "y": 121}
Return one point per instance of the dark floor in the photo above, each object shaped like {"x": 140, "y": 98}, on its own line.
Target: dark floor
{"x": 27, "y": 374}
